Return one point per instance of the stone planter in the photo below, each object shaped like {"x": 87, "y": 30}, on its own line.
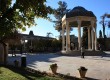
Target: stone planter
{"x": 82, "y": 72}
{"x": 53, "y": 68}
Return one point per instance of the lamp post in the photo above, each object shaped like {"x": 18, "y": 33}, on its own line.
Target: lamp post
{"x": 24, "y": 46}
{"x": 21, "y": 50}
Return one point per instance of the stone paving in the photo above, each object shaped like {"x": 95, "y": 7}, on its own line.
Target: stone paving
{"x": 98, "y": 66}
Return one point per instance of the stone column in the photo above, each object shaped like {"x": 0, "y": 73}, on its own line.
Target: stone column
{"x": 63, "y": 39}
{"x": 67, "y": 40}
{"x": 92, "y": 23}
{"x": 95, "y": 39}
{"x": 89, "y": 41}
{"x": 79, "y": 35}
{"x": 68, "y": 37}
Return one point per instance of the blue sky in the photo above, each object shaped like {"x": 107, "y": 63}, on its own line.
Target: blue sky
{"x": 98, "y": 7}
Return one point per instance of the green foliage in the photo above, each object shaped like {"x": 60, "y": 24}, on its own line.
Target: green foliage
{"x": 13, "y": 38}
{"x": 21, "y": 13}
{"x": 105, "y": 22}
{"x": 56, "y": 43}
{"x": 21, "y": 74}
{"x": 59, "y": 13}
{"x": 100, "y": 34}
{"x": 101, "y": 41}
{"x": 44, "y": 45}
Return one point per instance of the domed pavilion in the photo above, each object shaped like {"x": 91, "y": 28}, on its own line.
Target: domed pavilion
{"x": 79, "y": 17}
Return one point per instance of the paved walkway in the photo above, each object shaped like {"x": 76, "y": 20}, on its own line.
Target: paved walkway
{"x": 98, "y": 67}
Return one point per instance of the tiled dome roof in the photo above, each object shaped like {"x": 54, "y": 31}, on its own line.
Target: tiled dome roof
{"x": 79, "y": 11}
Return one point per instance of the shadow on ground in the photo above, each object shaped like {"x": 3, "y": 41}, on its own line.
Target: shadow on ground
{"x": 32, "y": 60}
{"x": 87, "y": 78}
{"x": 34, "y": 74}
{"x": 23, "y": 72}
{"x": 42, "y": 57}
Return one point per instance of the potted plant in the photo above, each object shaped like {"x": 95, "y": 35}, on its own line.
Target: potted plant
{"x": 54, "y": 67}
{"x": 82, "y": 71}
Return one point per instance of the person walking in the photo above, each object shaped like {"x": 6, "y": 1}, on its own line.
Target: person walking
{"x": 82, "y": 52}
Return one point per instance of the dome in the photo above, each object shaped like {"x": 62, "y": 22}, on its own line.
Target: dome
{"x": 79, "y": 11}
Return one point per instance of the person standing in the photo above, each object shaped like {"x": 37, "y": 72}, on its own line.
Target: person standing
{"x": 82, "y": 52}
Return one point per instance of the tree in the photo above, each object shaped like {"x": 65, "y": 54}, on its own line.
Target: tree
{"x": 104, "y": 23}
{"x": 48, "y": 34}
{"x": 108, "y": 16}
{"x": 100, "y": 34}
{"x": 20, "y": 14}
{"x": 59, "y": 13}
{"x": 85, "y": 37}
{"x": 109, "y": 24}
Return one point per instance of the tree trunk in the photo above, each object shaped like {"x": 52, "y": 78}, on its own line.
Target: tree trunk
{"x": 103, "y": 30}
{"x": 1, "y": 54}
